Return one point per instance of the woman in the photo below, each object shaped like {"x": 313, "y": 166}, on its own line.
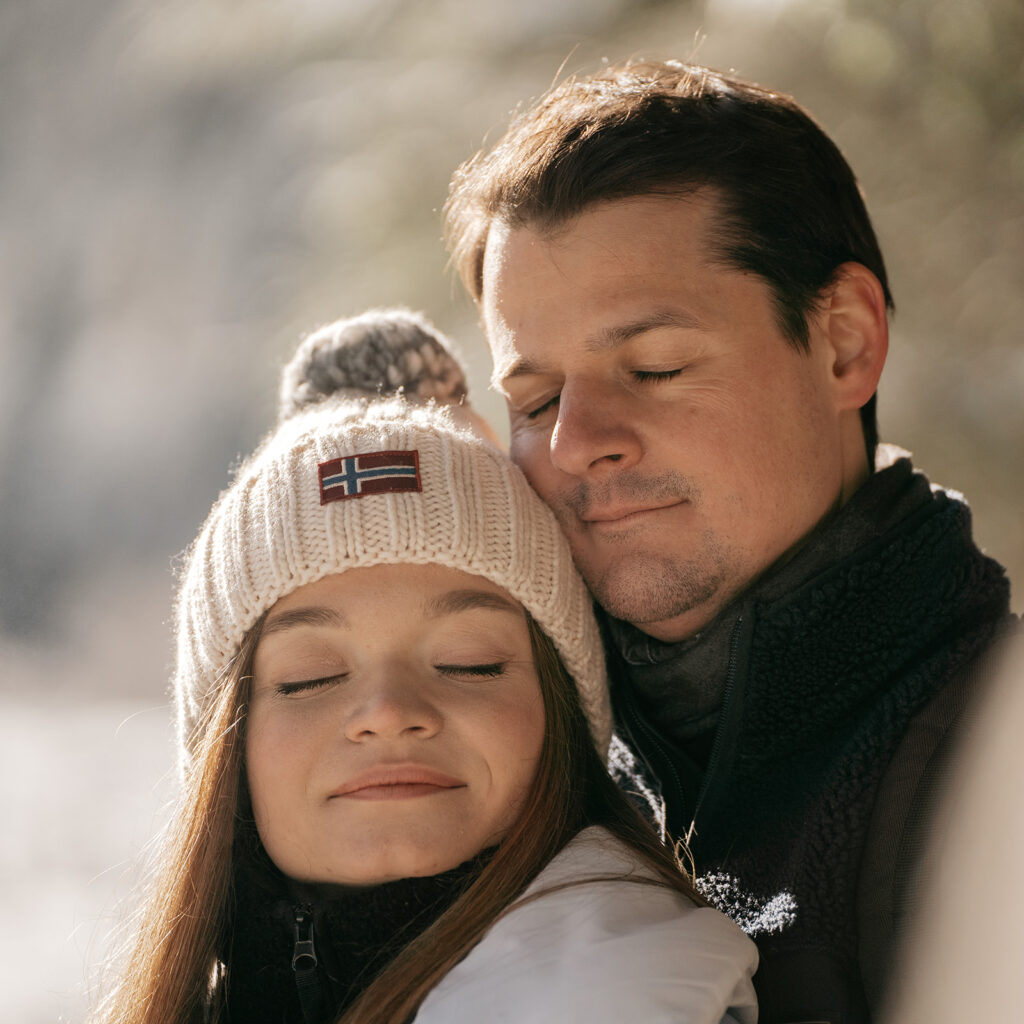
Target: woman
{"x": 393, "y": 714}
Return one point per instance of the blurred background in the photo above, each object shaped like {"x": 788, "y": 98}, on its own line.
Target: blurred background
{"x": 187, "y": 186}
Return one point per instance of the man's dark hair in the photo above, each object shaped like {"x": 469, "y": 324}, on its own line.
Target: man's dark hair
{"x": 791, "y": 210}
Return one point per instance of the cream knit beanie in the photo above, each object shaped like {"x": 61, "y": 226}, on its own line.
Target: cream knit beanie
{"x": 356, "y": 482}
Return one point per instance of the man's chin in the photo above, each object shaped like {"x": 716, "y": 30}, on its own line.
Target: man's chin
{"x": 658, "y": 594}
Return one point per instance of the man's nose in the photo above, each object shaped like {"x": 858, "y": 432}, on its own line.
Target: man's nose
{"x": 595, "y": 429}
{"x": 391, "y": 704}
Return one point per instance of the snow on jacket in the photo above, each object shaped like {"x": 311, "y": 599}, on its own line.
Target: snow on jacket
{"x": 601, "y": 952}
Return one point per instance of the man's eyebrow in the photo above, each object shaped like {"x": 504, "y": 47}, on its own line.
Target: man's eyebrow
{"x": 466, "y": 599}
{"x": 521, "y": 367}
{"x": 613, "y": 337}
{"x": 606, "y": 340}
{"x": 315, "y": 616}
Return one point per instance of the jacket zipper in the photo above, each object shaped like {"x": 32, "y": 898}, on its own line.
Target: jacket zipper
{"x": 304, "y": 951}
{"x": 716, "y": 746}
{"x": 638, "y": 724}
{"x": 304, "y": 965}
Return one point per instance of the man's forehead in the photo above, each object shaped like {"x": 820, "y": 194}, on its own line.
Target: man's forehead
{"x": 697, "y": 213}
{"x": 607, "y": 256}
{"x": 508, "y": 361}
{"x": 523, "y": 267}
{"x": 499, "y": 333}
{"x": 503, "y": 245}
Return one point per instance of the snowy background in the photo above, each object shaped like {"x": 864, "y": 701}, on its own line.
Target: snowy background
{"x": 187, "y": 186}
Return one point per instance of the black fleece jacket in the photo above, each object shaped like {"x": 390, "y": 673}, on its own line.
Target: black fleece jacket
{"x": 303, "y": 954}
{"x": 825, "y": 666}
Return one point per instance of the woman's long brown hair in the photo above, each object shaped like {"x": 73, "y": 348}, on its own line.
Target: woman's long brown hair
{"x": 168, "y": 971}
{"x": 174, "y": 973}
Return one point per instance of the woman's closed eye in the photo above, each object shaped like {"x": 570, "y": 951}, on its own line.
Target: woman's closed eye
{"x": 307, "y": 685}
{"x": 485, "y": 671}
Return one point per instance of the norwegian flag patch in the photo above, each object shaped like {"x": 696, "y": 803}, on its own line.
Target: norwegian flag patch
{"x": 356, "y": 476}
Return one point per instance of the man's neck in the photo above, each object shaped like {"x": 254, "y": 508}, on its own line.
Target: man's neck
{"x": 679, "y": 683}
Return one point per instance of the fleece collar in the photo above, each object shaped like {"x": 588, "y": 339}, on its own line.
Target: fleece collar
{"x": 680, "y": 685}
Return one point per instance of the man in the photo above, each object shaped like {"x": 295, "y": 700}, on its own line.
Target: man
{"x": 687, "y": 309}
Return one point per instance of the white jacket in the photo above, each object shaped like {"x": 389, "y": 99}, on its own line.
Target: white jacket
{"x": 608, "y": 952}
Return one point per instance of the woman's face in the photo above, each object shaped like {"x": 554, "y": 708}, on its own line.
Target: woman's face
{"x": 395, "y": 724}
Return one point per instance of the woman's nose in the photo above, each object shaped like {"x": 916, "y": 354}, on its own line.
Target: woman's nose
{"x": 391, "y": 706}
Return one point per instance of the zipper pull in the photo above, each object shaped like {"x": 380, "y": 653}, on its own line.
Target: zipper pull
{"x": 304, "y": 953}
{"x": 304, "y": 962}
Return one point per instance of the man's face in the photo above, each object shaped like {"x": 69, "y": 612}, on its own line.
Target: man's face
{"x": 682, "y": 441}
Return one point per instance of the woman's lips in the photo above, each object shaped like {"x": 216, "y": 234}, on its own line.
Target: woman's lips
{"x": 395, "y": 791}
{"x": 396, "y": 782}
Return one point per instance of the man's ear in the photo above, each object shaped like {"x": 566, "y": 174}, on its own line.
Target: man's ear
{"x": 853, "y": 318}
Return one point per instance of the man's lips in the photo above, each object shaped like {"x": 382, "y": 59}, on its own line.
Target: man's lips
{"x": 396, "y": 782}
{"x": 626, "y": 515}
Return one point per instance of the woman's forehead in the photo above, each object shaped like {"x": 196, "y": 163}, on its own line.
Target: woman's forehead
{"x": 433, "y": 590}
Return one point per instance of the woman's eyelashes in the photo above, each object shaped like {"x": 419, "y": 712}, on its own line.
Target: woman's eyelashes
{"x": 485, "y": 671}
{"x": 308, "y": 685}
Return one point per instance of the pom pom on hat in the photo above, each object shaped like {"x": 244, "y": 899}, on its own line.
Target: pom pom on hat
{"x": 380, "y": 352}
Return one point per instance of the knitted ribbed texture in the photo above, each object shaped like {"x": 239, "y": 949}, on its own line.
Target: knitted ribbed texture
{"x": 269, "y": 534}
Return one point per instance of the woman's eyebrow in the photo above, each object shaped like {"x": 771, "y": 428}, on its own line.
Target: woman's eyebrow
{"x": 315, "y": 616}
{"x": 464, "y": 600}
